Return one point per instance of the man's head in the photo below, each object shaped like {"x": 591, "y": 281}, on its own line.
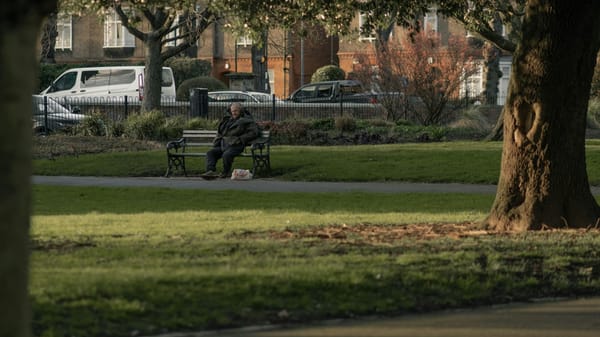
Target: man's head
{"x": 236, "y": 110}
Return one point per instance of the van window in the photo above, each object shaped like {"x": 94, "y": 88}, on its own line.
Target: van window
{"x": 95, "y": 78}
{"x": 325, "y": 90}
{"x": 122, "y": 76}
{"x": 167, "y": 79}
{"x": 65, "y": 82}
{"x": 352, "y": 89}
{"x": 307, "y": 91}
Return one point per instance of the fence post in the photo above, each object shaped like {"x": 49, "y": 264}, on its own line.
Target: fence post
{"x": 341, "y": 103}
{"x": 46, "y": 115}
{"x": 273, "y": 110}
{"x": 125, "y": 105}
{"x": 199, "y": 102}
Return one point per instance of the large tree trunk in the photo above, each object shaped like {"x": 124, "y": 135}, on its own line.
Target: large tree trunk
{"x": 49, "y": 34}
{"x": 153, "y": 76}
{"x": 543, "y": 180}
{"x": 21, "y": 21}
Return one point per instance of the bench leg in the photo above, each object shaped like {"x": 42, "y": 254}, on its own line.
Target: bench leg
{"x": 261, "y": 163}
{"x": 174, "y": 163}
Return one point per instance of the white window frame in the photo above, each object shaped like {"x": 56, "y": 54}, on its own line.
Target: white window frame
{"x": 473, "y": 84}
{"x": 244, "y": 41}
{"x": 430, "y": 21}
{"x": 115, "y": 34}
{"x": 175, "y": 33}
{"x": 362, "y": 18}
{"x": 64, "y": 29}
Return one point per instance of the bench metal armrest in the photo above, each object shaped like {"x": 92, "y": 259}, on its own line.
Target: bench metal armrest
{"x": 175, "y": 145}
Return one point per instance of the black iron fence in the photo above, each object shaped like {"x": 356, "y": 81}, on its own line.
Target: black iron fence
{"x": 119, "y": 108}
{"x": 53, "y": 113}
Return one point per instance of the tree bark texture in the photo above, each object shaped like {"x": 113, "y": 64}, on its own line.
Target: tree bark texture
{"x": 153, "y": 73}
{"x": 543, "y": 180}
{"x": 20, "y": 23}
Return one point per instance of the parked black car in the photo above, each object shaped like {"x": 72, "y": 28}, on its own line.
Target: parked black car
{"x": 333, "y": 91}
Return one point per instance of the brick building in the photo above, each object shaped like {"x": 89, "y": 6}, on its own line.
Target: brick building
{"x": 286, "y": 62}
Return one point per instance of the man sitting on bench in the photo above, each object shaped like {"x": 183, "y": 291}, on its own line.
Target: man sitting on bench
{"x": 235, "y": 131}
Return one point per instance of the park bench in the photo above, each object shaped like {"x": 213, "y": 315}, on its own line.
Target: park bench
{"x": 195, "y": 143}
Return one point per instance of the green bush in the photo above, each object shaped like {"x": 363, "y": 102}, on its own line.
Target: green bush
{"x": 201, "y": 124}
{"x": 328, "y": 73}
{"x": 345, "y": 124}
{"x": 185, "y": 68}
{"x": 95, "y": 124}
{"x": 593, "y": 114}
{"x": 173, "y": 127}
{"x": 472, "y": 118}
{"x": 146, "y": 126}
{"x": 210, "y": 83}
{"x": 290, "y": 132}
{"x": 325, "y": 124}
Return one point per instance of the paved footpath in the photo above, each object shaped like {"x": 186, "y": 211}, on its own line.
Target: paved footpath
{"x": 560, "y": 318}
{"x": 270, "y": 185}
{"x": 264, "y": 185}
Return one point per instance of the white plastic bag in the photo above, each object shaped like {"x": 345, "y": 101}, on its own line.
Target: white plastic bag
{"x": 241, "y": 174}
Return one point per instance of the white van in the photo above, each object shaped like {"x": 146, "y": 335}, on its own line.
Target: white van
{"x": 107, "y": 81}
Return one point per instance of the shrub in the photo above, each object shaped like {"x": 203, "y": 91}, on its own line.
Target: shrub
{"x": 472, "y": 118}
{"x": 185, "y": 68}
{"x": 325, "y": 124}
{"x": 290, "y": 132}
{"x": 210, "y": 83}
{"x": 146, "y": 126}
{"x": 202, "y": 124}
{"x": 593, "y": 114}
{"x": 345, "y": 124}
{"x": 173, "y": 127}
{"x": 92, "y": 125}
{"x": 328, "y": 73}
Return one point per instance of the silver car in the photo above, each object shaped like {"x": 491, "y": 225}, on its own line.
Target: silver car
{"x": 239, "y": 96}
{"x": 48, "y": 115}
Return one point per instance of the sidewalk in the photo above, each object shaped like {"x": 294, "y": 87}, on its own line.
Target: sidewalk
{"x": 564, "y": 318}
{"x": 264, "y": 185}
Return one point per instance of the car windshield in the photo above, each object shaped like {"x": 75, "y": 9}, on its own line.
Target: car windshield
{"x": 263, "y": 97}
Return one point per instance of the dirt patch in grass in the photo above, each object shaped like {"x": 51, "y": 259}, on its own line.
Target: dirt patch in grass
{"x": 61, "y": 145}
{"x": 383, "y": 234}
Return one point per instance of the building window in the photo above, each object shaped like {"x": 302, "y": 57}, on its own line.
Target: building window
{"x": 430, "y": 24}
{"x": 115, "y": 35}
{"x": 174, "y": 34}
{"x": 64, "y": 29}
{"x": 364, "y": 36}
{"x": 473, "y": 84}
{"x": 244, "y": 41}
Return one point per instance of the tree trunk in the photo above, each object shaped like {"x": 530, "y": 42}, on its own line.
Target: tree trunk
{"x": 543, "y": 180}
{"x": 153, "y": 75}
{"x": 21, "y": 21}
{"x": 49, "y": 34}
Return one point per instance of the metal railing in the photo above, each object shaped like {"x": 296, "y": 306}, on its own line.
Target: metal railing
{"x": 53, "y": 113}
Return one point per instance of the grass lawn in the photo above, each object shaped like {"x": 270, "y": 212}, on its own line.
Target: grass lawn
{"x": 118, "y": 262}
{"x": 463, "y": 162}
{"x": 121, "y": 262}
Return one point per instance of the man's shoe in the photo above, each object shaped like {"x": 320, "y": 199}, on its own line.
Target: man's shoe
{"x": 210, "y": 175}
{"x": 224, "y": 175}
